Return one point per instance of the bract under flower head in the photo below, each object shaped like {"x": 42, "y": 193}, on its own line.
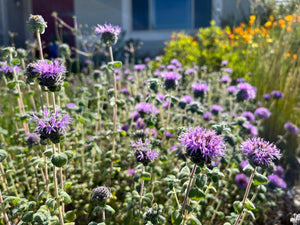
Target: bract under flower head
{"x": 52, "y": 127}
{"x": 143, "y": 152}
{"x": 202, "y": 145}
{"x": 260, "y": 152}
{"x": 109, "y": 33}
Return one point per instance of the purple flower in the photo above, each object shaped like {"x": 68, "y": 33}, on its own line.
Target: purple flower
{"x": 52, "y": 127}
{"x": 127, "y": 72}
{"x": 139, "y": 67}
{"x": 277, "y": 181}
{"x": 7, "y": 70}
{"x": 143, "y": 152}
{"x": 140, "y": 125}
{"x": 109, "y": 33}
{"x": 240, "y": 80}
{"x": 279, "y": 171}
{"x": 244, "y": 163}
{"x": 241, "y": 180}
{"x": 184, "y": 101}
{"x": 260, "y": 152}
{"x": 171, "y": 67}
{"x": 249, "y": 116}
{"x": 231, "y": 89}
{"x": 225, "y": 79}
{"x": 290, "y": 127}
{"x": 32, "y": 139}
{"x": 251, "y": 129}
{"x": 158, "y": 58}
{"x": 171, "y": 79}
{"x": 125, "y": 91}
{"x": 160, "y": 96}
{"x": 215, "y": 109}
{"x": 131, "y": 78}
{"x": 262, "y": 113}
{"x": 245, "y": 92}
{"x": 131, "y": 172}
{"x": 224, "y": 63}
{"x": 267, "y": 97}
{"x": 176, "y": 62}
{"x": 199, "y": 89}
{"x": 144, "y": 109}
{"x": 202, "y": 145}
{"x": 208, "y": 116}
{"x": 71, "y": 105}
{"x": 156, "y": 73}
{"x": 135, "y": 115}
{"x": 190, "y": 71}
{"x": 277, "y": 94}
{"x": 147, "y": 59}
{"x": 50, "y": 73}
{"x": 229, "y": 70}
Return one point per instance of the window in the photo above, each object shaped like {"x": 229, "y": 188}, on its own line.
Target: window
{"x": 170, "y": 14}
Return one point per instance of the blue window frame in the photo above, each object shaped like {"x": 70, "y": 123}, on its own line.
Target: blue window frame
{"x": 170, "y": 14}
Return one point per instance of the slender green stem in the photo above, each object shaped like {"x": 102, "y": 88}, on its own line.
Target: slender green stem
{"x": 175, "y": 195}
{"x": 3, "y": 210}
{"x": 141, "y": 194}
{"x": 167, "y": 122}
{"x": 40, "y": 44}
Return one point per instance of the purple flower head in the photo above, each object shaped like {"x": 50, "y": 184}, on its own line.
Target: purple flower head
{"x": 241, "y": 180}
{"x": 143, "y": 152}
{"x": 32, "y": 139}
{"x": 245, "y": 92}
{"x": 262, "y": 113}
{"x": 158, "y": 58}
{"x": 215, "y": 109}
{"x": 240, "y": 80}
{"x": 199, "y": 89}
{"x": 140, "y": 67}
{"x": 147, "y": 59}
{"x": 8, "y": 70}
{"x": 184, "y": 101}
{"x": 202, "y": 145}
{"x": 127, "y": 72}
{"x": 160, "y": 96}
{"x": 131, "y": 78}
{"x": 109, "y": 33}
{"x": 162, "y": 66}
{"x": 125, "y": 91}
{"x": 131, "y": 172}
{"x": 267, "y": 97}
{"x": 224, "y": 63}
{"x": 171, "y": 79}
{"x": 229, "y": 70}
{"x": 251, "y": 129}
{"x": 168, "y": 134}
{"x": 208, "y": 116}
{"x": 231, "y": 89}
{"x": 279, "y": 171}
{"x": 225, "y": 79}
{"x": 50, "y": 73}
{"x": 135, "y": 115}
{"x": 117, "y": 71}
{"x": 277, "y": 94}
{"x": 190, "y": 71}
{"x": 244, "y": 163}
{"x": 171, "y": 67}
{"x": 144, "y": 109}
{"x": 176, "y": 62}
{"x": 249, "y": 116}
{"x": 260, "y": 152}
{"x": 52, "y": 127}
{"x": 290, "y": 127}
{"x": 140, "y": 125}
{"x": 71, "y": 105}
{"x": 156, "y": 73}
{"x": 277, "y": 181}
{"x": 216, "y": 162}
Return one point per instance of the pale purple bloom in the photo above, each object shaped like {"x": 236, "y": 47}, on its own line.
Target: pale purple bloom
{"x": 229, "y": 70}
{"x": 231, "y": 89}
{"x": 32, "y": 139}
{"x": 6, "y": 69}
{"x": 140, "y": 67}
{"x": 143, "y": 152}
{"x": 199, "y": 89}
{"x": 240, "y": 80}
{"x": 131, "y": 172}
{"x": 140, "y": 125}
{"x": 279, "y": 171}
{"x": 180, "y": 69}
{"x": 190, "y": 71}
{"x": 162, "y": 66}
{"x": 291, "y": 128}
{"x": 241, "y": 180}
{"x": 224, "y": 63}
{"x": 277, "y": 94}
{"x": 160, "y": 96}
{"x": 156, "y": 73}
{"x": 171, "y": 79}
{"x": 70, "y": 105}
{"x": 135, "y": 115}
{"x": 117, "y": 71}
{"x": 245, "y": 92}
{"x": 251, "y": 129}
{"x": 249, "y": 116}
{"x": 147, "y": 59}
{"x": 215, "y": 109}
{"x": 208, "y": 116}
{"x": 201, "y": 144}
{"x": 109, "y": 33}
{"x": 144, "y": 108}
{"x": 131, "y": 78}
{"x": 158, "y": 58}
{"x": 262, "y": 113}
{"x": 267, "y": 97}
{"x": 49, "y": 69}
{"x": 118, "y": 77}
{"x": 244, "y": 163}
{"x": 225, "y": 79}
{"x": 125, "y": 91}
{"x": 171, "y": 67}
{"x": 88, "y": 61}
{"x": 260, "y": 152}
{"x": 277, "y": 181}
{"x": 127, "y": 72}
{"x": 188, "y": 99}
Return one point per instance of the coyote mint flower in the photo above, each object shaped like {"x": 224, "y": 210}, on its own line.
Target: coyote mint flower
{"x": 260, "y": 152}
{"x": 246, "y": 91}
{"x": 101, "y": 193}
{"x": 52, "y": 127}
{"x": 199, "y": 89}
{"x": 143, "y": 153}
{"x": 109, "y": 33}
{"x": 202, "y": 145}
{"x": 37, "y": 23}
{"x": 171, "y": 79}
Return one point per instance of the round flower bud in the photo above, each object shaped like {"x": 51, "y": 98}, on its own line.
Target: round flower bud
{"x": 101, "y": 193}
{"x": 37, "y": 23}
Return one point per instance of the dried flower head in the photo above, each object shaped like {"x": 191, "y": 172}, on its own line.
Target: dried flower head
{"x": 202, "y": 145}
{"x": 37, "y": 23}
{"x": 143, "y": 152}
{"x": 109, "y": 33}
{"x": 260, "y": 152}
{"x": 101, "y": 193}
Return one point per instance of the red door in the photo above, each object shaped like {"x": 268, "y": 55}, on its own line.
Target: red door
{"x": 65, "y": 10}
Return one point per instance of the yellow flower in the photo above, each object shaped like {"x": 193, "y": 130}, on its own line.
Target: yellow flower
{"x": 268, "y": 24}
{"x": 252, "y": 19}
{"x": 281, "y": 23}
{"x": 294, "y": 57}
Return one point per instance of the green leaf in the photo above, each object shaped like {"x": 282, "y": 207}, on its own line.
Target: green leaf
{"x": 176, "y": 217}
{"x": 249, "y": 205}
{"x": 238, "y": 206}
{"x": 28, "y": 216}
{"x": 174, "y": 100}
{"x": 196, "y": 193}
{"x": 194, "y": 220}
{"x": 15, "y": 62}
{"x": 59, "y": 159}
{"x": 259, "y": 179}
{"x": 11, "y": 84}
{"x": 117, "y": 64}
{"x": 146, "y": 176}
{"x": 48, "y": 153}
{"x": 109, "y": 209}
{"x": 80, "y": 120}
{"x": 248, "y": 169}
{"x": 65, "y": 195}
{"x": 50, "y": 203}
{"x": 201, "y": 180}
{"x": 3, "y": 155}
{"x": 70, "y": 216}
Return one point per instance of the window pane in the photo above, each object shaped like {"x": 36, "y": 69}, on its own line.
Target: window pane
{"x": 202, "y": 13}
{"x": 171, "y": 14}
{"x": 140, "y": 14}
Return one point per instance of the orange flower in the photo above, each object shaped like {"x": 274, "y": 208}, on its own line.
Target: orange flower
{"x": 247, "y": 37}
{"x": 172, "y": 36}
{"x": 294, "y": 57}
{"x": 179, "y": 35}
{"x": 281, "y": 23}
{"x": 268, "y": 24}
{"x": 289, "y": 29}
{"x": 289, "y": 18}
{"x": 271, "y": 18}
{"x": 252, "y": 20}
{"x": 194, "y": 42}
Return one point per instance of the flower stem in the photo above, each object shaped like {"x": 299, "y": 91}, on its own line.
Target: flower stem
{"x": 246, "y": 195}
{"x": 3, "y": 210}
{"x": 40, "y": 44}
{"x": 188, "y": 189}
{"x": 167, "y": 122}
{"x": 141, "y": 194}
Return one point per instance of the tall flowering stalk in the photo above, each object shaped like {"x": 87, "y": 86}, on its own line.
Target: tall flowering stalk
{"x": 201, "y": 147}
{"x": 260, "y": 153}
